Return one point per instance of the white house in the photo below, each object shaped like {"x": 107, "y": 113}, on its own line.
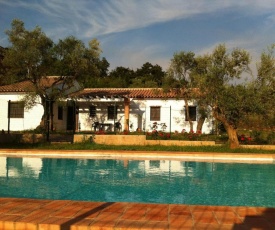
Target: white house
{"x": 102, "y": 109}
{"x": 141, "y": 109}
{"x": 20, "y": 118}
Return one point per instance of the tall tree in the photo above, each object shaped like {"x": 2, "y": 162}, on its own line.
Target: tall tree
{"x": 200, "y": 70}
{"x": 121, "y": 77}
{"x": 149, "y": 75}
{"x": 3, "y": 80}
{"x": 179, "y": 78}
{"x": 30, "y": 54}
{"x": 103, "y": 66}
{"x": 33, "y": 56}
{"x": 265, "y": 85}
{"x": 73, "y": 61}
{"x": 229, "y": 102}
{"x": 97, "y": 68}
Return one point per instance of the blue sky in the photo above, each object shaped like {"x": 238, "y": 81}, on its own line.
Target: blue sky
{"x": 132, "y": 32}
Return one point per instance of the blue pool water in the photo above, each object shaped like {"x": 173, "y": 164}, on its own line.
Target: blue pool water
{"x": 150, "y": 181}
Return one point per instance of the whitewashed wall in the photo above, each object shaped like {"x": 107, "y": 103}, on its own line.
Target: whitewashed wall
{"x": 31, "y": 120}
{"x": 172, "y": 114}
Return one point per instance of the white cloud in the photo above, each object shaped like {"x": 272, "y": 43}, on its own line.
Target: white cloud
{"x": 86, "y": 19}
{"x": 109, "y": 16}
{"x": 121, "y": 15}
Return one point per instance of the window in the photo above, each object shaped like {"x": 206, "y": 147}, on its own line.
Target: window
{"x": 192, "y": 113}
{"x": 60, "y": 113}
{"x": 155, "y": 113}
{"x": 16, "y": 109}
{"x": 92, "y": 111}
{"x": 112, "y": 112}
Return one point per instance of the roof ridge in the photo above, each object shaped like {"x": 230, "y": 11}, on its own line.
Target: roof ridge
{"x": 121, "y": 88}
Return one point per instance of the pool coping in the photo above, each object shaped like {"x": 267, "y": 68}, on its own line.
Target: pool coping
{"x": 143, "y": 155}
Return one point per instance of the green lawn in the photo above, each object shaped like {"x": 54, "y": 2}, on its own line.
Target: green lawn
{"x": 93, "y": 146}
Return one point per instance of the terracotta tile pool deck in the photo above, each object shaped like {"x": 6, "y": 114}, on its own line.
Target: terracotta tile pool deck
{"x": 36, "y": 214}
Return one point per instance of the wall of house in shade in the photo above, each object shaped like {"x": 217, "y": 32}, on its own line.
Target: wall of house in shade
{"x": 106, "y": 112}
{"x": 30, "y": 120}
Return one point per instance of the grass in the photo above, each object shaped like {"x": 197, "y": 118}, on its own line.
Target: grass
{"x": 151, "y": 148}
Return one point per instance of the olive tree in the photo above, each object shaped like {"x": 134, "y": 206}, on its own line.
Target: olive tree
{"x": 229, "y": 101}
{"x": 179, "y": 78}
{"x": 265, "y": 84}
{"x": 33, "y": 56}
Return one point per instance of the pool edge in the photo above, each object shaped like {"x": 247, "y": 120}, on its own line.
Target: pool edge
{"x": 143, "y": 155}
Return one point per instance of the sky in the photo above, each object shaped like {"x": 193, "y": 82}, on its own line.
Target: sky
{"x": 133, "y": 32}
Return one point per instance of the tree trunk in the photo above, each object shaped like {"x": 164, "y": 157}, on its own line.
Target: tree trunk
{"x": 47, "y": 118}
{"x": 44, "y": 116}
{"x": 232, "y": 137}
{"x": 51, "y": 115}
{"x": 200, "y": 123}
{"x": 188, "y": 117}
{"x": 231, "y": 130}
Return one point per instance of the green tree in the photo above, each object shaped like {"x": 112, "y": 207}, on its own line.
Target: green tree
{"x": 33, "y": 56}
{"x": 148, "y": 75}
{"x": 97, "y": 69}
{"x": 229, "y": 102}
{"x": 179, "y": 78}
{"x": 30, "y": 54}
{"x": 103, "y": 66}
{"x": 121, "y": 77}
{"x": 3, "y": 80}
{"x": 265, "y": 84}
{"x": 73, "y": 61}
{"x": 200, "y": 70}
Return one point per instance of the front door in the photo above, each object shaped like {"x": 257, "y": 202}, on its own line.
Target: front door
{"x": 72, "y": 118}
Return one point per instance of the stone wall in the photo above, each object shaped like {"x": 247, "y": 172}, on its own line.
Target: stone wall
{"x": 135, "y": 140}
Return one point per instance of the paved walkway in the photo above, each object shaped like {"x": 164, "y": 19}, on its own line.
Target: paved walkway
{"x": 31, "y": 214}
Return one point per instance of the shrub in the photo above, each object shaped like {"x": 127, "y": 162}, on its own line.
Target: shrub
{"x": 258, "y": 137}
{"x": 245, "y": 139}
{"x": 271, "y": 138}
{"x": 154, "y": 135}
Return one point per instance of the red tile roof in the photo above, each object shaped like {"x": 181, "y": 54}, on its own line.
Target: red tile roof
{"x": 28, "y": 86}
{"x": 125, "y": 92}
{"x": 24, "y": 86}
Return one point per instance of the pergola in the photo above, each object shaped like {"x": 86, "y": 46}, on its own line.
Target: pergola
{"x": 124, "y": 95}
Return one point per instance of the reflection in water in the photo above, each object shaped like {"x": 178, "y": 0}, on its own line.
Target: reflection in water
{"x": 162, "y": 181}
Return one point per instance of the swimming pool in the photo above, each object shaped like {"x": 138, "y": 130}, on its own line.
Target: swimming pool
{"x": 145, "y": 181}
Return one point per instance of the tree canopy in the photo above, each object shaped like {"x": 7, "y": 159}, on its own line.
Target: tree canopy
{"x": 215, "y": 78}
{"x": 215, "y": 75}
{"x": 35, "y": 57}
{"x": 179, "y": 78}
{"x": 265, "y": 86}
{"x": 29, "y": 56}
{"x": 148, "y": 76}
